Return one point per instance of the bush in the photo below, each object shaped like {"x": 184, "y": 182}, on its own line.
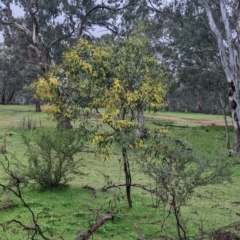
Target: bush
{"x": 177, "y": 172}
{"x": 51, "y": 156}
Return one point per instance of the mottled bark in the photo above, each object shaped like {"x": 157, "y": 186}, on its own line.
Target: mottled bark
{"x": 230, "y": 61}
{"x": 237, "y": 140}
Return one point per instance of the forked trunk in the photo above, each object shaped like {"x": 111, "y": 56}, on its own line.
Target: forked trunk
{"x": 10, "y": 97}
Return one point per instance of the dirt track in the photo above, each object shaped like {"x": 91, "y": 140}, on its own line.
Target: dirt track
{"x": 187, "y": 120}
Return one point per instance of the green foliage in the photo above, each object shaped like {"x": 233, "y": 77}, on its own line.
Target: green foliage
{"x": 51, "y": 156}
{"x": 65, "y": 211}
{"x": 117, "y": 77}
{"x": 11, "y": 68}
{"x": 177, "y": 171}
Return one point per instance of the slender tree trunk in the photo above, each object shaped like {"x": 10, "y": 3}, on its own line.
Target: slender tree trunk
{"x": 140, "y": 120}
{"x": 200, "y": 106}
{"x": 3, "y": 98}
{"x": 10, "y": 97}
{"x": 180, "y": 228}
{"x": 140, "y": 115}
{"x": 223, "y": 105}
{"x": 37, "y": 105}
{"x": 128, "y": 178}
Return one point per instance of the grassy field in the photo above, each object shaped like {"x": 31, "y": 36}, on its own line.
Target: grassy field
{"x": 189, "y": 115}
{"x": 68, "y": 212}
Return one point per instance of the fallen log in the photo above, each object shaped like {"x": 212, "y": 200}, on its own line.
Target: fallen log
{"x": 95, "y": 227}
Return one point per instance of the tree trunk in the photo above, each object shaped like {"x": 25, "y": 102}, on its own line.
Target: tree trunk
{"x": 230, "y": 61}
{"x": 140, "y": 115}
{"x": 10, "y": 97}
{"x": 200, "y": 106}
{"x": 223, "y": 105}
{"x": 67, "y": 124}
{"x": 3, "y": 98}
{"x": 140, "y": 120}
{"x": 235, "y": 107}
{"x": 128, "y": 178}
{"x": 37, "y": 105}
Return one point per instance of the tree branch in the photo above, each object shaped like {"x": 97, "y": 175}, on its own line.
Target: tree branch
{"x": 140, "y": 236}
{"x": 95, "y": 227}
{"x": 36, "y": 228}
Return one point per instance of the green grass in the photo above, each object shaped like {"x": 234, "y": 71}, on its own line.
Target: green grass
{"x": 193, "y": 116}
{"x": 69, "y": 212}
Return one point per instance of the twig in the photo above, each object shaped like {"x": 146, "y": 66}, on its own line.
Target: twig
{"x": 123, "y": 185}
{"x": 140, "y": 237}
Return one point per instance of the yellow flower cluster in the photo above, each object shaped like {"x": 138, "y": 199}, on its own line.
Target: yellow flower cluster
{"x": 163, "y": 132}
{"x": 123, "y": 124}
{"x": 102, "y": 138}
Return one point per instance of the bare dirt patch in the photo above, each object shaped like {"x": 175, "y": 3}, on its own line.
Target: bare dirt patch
{"x": 188, "y": 121}
{"x": 215, "y": 122}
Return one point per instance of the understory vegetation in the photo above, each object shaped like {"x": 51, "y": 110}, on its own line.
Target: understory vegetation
{"x": 57, "y": 183}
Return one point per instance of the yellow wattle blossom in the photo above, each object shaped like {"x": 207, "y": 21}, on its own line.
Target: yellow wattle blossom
{"x": 123, "y": 124}
{"x": 54, "y": 82}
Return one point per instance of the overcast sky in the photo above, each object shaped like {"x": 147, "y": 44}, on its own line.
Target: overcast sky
{"x": 16, "y": 12}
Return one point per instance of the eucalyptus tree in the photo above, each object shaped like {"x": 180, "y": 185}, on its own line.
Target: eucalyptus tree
{"x": 48, "y": 27}
{"x": 193, "y": 55}
{"x": 228, "y": 42}
{"x": 11, "y": 69}
{"x": 184, "y": 44}
{"x": 222, "y": 19}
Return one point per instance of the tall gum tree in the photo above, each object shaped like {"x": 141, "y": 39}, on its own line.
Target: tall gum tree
{"x": 222, "y": 18}
{"x": 229, "y": 52}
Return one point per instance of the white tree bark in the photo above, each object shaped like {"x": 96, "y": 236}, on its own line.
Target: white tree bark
{"x": 229, "y": 56}
{"x": 140, "y": 120}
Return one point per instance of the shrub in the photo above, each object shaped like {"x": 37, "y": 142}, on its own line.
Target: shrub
{"x": 51, "y": 156}
{"x": 177, "y": 172}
